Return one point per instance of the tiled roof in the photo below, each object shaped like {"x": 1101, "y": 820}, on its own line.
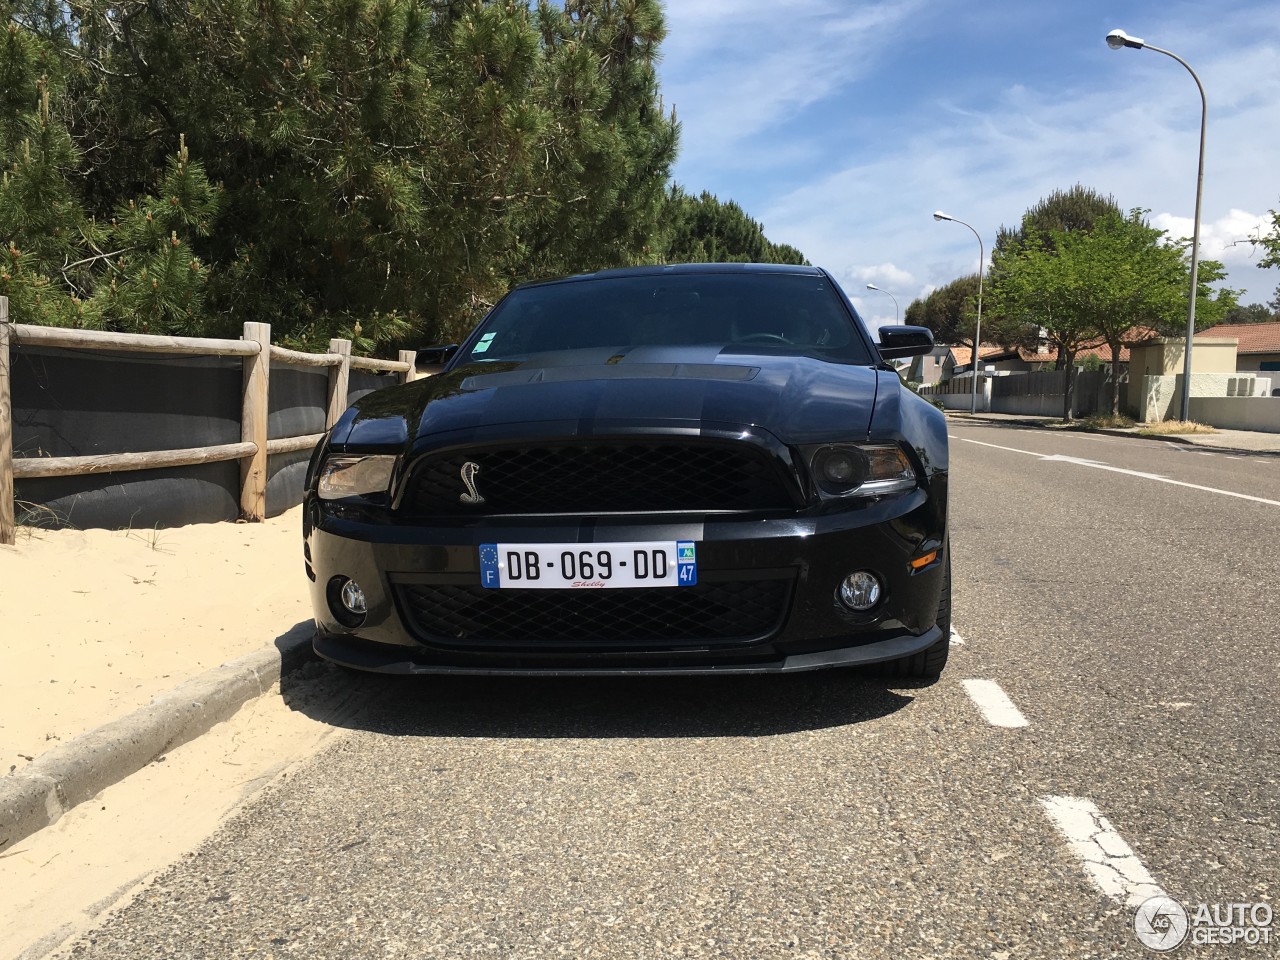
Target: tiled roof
{"x": 963, "y": 355}
{"x": 1100, "y": 350}
{"x": 1097, "y": 348}
{"x": 1251, "y": 337}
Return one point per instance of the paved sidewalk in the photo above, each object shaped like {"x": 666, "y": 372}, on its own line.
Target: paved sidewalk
{"x": 1249, "y": 441}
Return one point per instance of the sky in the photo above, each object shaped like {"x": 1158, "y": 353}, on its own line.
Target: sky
{"x": 842, "y": 125}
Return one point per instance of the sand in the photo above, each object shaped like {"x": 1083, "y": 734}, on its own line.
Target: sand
{"x": 98, "y": 622}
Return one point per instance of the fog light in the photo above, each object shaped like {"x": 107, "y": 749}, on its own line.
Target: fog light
{"x": 347, "y": 601}
{"x": 353, "y": 598}
{"x": 860, "y": 591}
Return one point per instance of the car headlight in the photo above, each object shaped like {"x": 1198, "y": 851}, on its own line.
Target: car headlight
{"x": 354, "y": 476}
{"x": 849, "y": 469}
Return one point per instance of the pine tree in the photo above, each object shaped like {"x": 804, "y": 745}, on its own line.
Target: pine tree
{"x": 705, "y": 229}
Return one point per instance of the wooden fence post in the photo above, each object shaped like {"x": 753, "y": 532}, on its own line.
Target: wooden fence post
{"x": 339, "y": 378}
{"x": 408, "y": 356}
{"x": 253, "y": 422}
{"x": 8, "y": 534}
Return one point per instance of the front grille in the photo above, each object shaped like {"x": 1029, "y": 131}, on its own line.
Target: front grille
{"x": 707, "y": 613}
{"x": 611, "y": 477}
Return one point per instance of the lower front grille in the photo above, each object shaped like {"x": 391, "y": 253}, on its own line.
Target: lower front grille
{"x": 710, "y": 612}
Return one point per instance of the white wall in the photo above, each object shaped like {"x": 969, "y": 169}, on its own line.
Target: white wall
{"x": 1161, "y": 397}
{"x": 1238, "y": 413}
{"x": 959, "y": 393}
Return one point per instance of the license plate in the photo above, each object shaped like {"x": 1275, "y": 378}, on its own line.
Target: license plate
{"x": 588, "y": 566}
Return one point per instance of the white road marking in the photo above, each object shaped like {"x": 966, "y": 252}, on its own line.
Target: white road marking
{"x": 1110, "y": 862}
{"x": 994, "y": 704}
{"x": 956, "y": 639}
{"x": 1078, "y": 461}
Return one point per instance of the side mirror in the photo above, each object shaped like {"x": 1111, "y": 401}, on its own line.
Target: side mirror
{"x": 903, "y": 341}
{"x": 431, "y": 360}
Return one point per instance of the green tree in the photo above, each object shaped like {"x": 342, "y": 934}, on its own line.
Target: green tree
{"x": 1135, "y": 278}
{"x": 1075, "y": 209}
{"x": 131, "y": 270}
{"x": 1099, "y": 285}
{"x": 951, "y": 312}
{"x": 1253, "y": 313}
{"x": 382, "y": 166}
{"x": 1270, "y": 244}
{"x": 1038, "y": 290}
{"x": 704, "y": 229}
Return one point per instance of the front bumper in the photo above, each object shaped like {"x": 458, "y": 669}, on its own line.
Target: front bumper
{"x": 383, "y": 658}
{"x": 812, "y": 553}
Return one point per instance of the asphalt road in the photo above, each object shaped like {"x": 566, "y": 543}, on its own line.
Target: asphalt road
{"x": 1131, "y": 623}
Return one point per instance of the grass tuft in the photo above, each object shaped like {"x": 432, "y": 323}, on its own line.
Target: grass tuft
{"x": 32, "y": 517}
{"x": 1108, "y": 421}
{"x": 1174, "y": 428}
{"x": 1100, "y": 421}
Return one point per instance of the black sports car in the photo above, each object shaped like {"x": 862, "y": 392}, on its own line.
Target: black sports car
{"x": 685, "y": 469}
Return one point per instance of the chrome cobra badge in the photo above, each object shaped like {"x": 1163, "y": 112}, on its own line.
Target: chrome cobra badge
{"x": 469, "y": 471}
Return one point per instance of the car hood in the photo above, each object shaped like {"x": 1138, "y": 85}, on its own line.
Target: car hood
{"x": 797, "y": 399}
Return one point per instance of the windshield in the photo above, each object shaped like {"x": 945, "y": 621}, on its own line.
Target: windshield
{"x": 738, "y": 312}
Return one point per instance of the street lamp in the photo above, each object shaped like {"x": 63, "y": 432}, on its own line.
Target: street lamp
{"x": 1118, "y": 40}
{"x": 977, "y": 333}
{"x": 872, "y": 286}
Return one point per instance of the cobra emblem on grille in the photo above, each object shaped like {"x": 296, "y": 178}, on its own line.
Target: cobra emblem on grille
{"x": 469, "y": 471}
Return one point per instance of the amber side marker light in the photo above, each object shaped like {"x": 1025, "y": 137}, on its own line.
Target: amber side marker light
{"x": 919, "y": 563}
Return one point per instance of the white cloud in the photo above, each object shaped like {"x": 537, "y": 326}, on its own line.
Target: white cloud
{"x": 1227, "y": 239}
{"x": 888, "y": 136}
{"x": 885, "y": 275}
{"x": 736, "y": 70}
{"x": 989, "y": 168}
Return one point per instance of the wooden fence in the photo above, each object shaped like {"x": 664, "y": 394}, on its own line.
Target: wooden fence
{"x": 257, "y": 354}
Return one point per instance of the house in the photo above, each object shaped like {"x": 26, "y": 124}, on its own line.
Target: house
{"x": 1257, "y": 344}
{"x": 934, "y": 366}
{"x": 1045, "y": 357}
{"x": 944, "y": 362}
{"x": 962, "y": 357}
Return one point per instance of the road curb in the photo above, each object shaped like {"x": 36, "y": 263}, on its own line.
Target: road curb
{"x": 40, "y": 793}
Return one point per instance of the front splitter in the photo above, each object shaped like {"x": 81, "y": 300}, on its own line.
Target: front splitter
{"x": 361, "y": 656}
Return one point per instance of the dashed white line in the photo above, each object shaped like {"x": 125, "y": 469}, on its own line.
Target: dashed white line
{"x": 1080, "y": 462}
{"x": 1110, "y": 862}
{"x": 994, "y": 704}
{"x": 956, "y": 639}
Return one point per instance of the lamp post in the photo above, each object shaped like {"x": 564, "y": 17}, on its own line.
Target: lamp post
{"x": 872, "y": 286}
{"x": 1118, "y": 40}
{"x": 977, "y": 333}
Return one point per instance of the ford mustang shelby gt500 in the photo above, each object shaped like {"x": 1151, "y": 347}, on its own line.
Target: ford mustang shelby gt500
{"x": 687, "y": 469}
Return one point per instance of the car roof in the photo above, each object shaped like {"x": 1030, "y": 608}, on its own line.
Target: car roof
{"x": 658, "y": 270}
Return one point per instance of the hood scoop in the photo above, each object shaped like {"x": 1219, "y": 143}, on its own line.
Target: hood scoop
{"x": 612, "y": 370}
